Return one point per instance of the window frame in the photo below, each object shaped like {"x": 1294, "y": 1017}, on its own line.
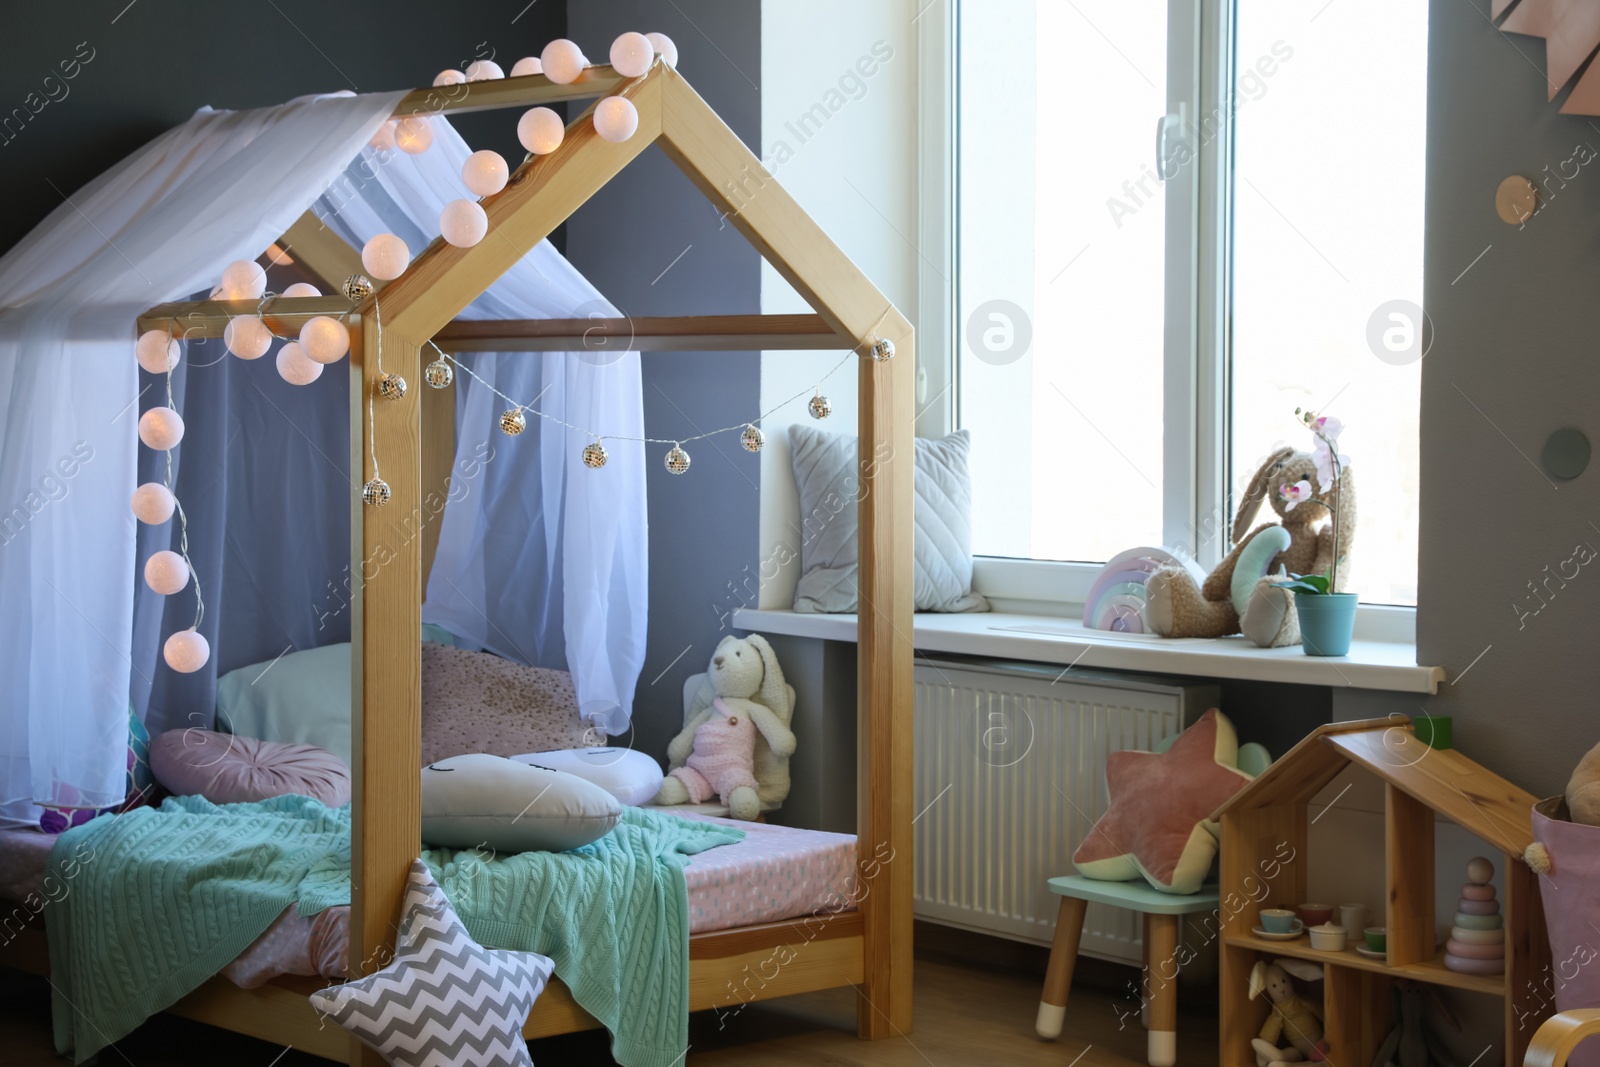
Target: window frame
{"x": 1197, "y": 505}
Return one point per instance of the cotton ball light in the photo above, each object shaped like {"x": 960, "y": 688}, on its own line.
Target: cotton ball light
{"x": 632, "y": 54}
{"x": 302, "y": 289}
{"x": 295, "y": 367}
{"x": 325, "y": 340}
{"x": 385, "y": 257}
{"x": 186, "y": 651}
{"x": 413, "y": 135}
{"x": 161, "y": 429}
{"x": 166, "y": 572}
{"x": 664, "y": 48}
{"x": 247, "y": 337}
{"x": 525, "y": 66}
{"x": 277, "y": 256}
{"x": 485, "y": 173}
{"x": 562, "y": 61}
{"x": 157, "y": 351}
{"x": 463, "y": 223}
{"x": 383, "y": 139}
{"x": 541, "y": 131}
{"x": 484, "y": 70}
{"x": 616, "y": 119}
{"x": 243, "y": 279}
{"x": 448, "y": 76}
{"x": 153, "y": 503}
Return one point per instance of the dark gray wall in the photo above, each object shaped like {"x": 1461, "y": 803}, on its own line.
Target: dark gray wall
{"x": 653, "y": 244}
{"x": 1513, "y": 359}
{"x": 152, "y": 63}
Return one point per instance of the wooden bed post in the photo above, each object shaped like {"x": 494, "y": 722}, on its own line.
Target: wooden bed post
{"x": 386, "y": 646}
{"x": 884, "y": 678}
{"x": 731, "y": 177}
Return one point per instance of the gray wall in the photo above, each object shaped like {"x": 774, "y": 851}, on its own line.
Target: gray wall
{"x": 1513, "y": 358}
{"x": 154, "y": 63}
{"x": 627, "y": 241}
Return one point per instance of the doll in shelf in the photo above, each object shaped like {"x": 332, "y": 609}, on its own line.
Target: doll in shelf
{"x": 1294, "y": 1018}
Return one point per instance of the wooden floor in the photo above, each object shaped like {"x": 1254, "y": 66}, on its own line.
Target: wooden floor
{"x": 967, "y": 1015}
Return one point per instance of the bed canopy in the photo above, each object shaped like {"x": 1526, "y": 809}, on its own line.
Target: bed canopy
{"x": 266, "y": 502}
{"x": 448, "y": 297}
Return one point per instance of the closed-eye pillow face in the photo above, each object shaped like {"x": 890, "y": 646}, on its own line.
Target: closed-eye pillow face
{"x": 479, "y": 801}
{"x": 632, "y": 777}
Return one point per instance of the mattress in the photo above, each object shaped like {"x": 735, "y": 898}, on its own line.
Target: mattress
{"x": 775, "y": 873}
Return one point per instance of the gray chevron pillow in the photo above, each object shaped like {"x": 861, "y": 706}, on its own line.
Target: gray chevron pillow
{"x": 829, "y": 478}
{"x": 445, "y": 999}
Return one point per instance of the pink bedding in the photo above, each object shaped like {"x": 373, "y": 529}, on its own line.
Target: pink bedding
{"x": 775, "y": 873}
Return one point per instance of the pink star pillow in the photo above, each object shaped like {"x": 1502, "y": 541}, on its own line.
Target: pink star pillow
{"x": 1158, "y": 823}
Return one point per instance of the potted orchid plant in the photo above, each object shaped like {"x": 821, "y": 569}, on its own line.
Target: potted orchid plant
{"x": 1327, "y": 616}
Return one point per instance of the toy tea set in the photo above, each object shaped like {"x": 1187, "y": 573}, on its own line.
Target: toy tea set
{"x": 1477, "y": 938}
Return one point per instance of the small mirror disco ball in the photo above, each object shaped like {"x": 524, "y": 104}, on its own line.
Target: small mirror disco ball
{"x": 820, "y": 408}
{"x": 513, "y": 422}
{"x": 392, "y": 387}
{"x": 677, "y": 460}
{"x": 375, "y": 494}
{"x": 439, "y": 374}
{"x": 357, "y": 287}
{"x": 752, "y": 438}
{"x": 595, "y": 455}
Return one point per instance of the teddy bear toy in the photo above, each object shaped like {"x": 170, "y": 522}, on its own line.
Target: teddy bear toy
{"x": 736, "y": 742}
{"x": 1294, "y": 1018}
{"x": 1239, "y": 595}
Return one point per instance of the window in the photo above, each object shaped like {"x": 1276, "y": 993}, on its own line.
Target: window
{"x": 1172, "y": 225}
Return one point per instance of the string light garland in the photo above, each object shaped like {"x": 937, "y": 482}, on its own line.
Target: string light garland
{"x": 153, "y": 503}
{"x": 514, "y": 420}
{"x": 375, "y": 493}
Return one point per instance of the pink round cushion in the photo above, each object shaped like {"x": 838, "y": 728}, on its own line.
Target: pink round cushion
{"x": 226, "y": 769}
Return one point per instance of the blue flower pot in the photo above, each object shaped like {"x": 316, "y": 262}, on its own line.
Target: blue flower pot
{"x": 1327, "y": 622}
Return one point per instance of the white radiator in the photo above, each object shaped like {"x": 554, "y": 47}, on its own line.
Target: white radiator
{"x": 1010, "y": 776}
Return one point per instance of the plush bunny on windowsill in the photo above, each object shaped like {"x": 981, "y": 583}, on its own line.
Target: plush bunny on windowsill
{"x": 736, "y": 742}
{"x": 1239, "y": 596}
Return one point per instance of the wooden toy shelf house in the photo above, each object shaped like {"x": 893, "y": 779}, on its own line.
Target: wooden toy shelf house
{"x": 1268, "y": 818}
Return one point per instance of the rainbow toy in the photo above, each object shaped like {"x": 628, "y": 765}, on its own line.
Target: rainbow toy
{"x": 1116, "y": 600}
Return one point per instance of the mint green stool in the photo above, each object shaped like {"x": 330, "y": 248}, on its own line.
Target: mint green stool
{"x": 1161, "y": 913}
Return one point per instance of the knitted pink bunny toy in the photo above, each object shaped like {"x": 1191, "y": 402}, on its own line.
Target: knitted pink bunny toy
{"x": 723, "y": 761}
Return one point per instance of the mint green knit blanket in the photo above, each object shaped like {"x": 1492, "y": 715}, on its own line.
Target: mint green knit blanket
{"x": 169, "y": 896}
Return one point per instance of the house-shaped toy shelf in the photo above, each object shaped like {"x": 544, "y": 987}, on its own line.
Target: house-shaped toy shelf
{"x": 1268, "y": 818}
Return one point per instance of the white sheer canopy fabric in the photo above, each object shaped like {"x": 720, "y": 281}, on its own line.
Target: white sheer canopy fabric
{"x": 540, "y": 559}
{"x": 159, "y": 225}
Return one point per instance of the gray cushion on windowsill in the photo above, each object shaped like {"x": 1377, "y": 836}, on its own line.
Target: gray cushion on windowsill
{"x": 829, "y": 478}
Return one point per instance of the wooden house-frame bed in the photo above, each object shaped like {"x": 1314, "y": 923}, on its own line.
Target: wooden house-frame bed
{"x": 392, "y": 546}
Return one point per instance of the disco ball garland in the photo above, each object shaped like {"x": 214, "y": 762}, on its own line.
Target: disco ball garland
{"x": 513, "y": 422}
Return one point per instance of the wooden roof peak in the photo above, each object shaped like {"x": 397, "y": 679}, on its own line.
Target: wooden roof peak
{"x": 1452, "y": 784}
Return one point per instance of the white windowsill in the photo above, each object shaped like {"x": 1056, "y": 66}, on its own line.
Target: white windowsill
{"x": 1386, "y": 665}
